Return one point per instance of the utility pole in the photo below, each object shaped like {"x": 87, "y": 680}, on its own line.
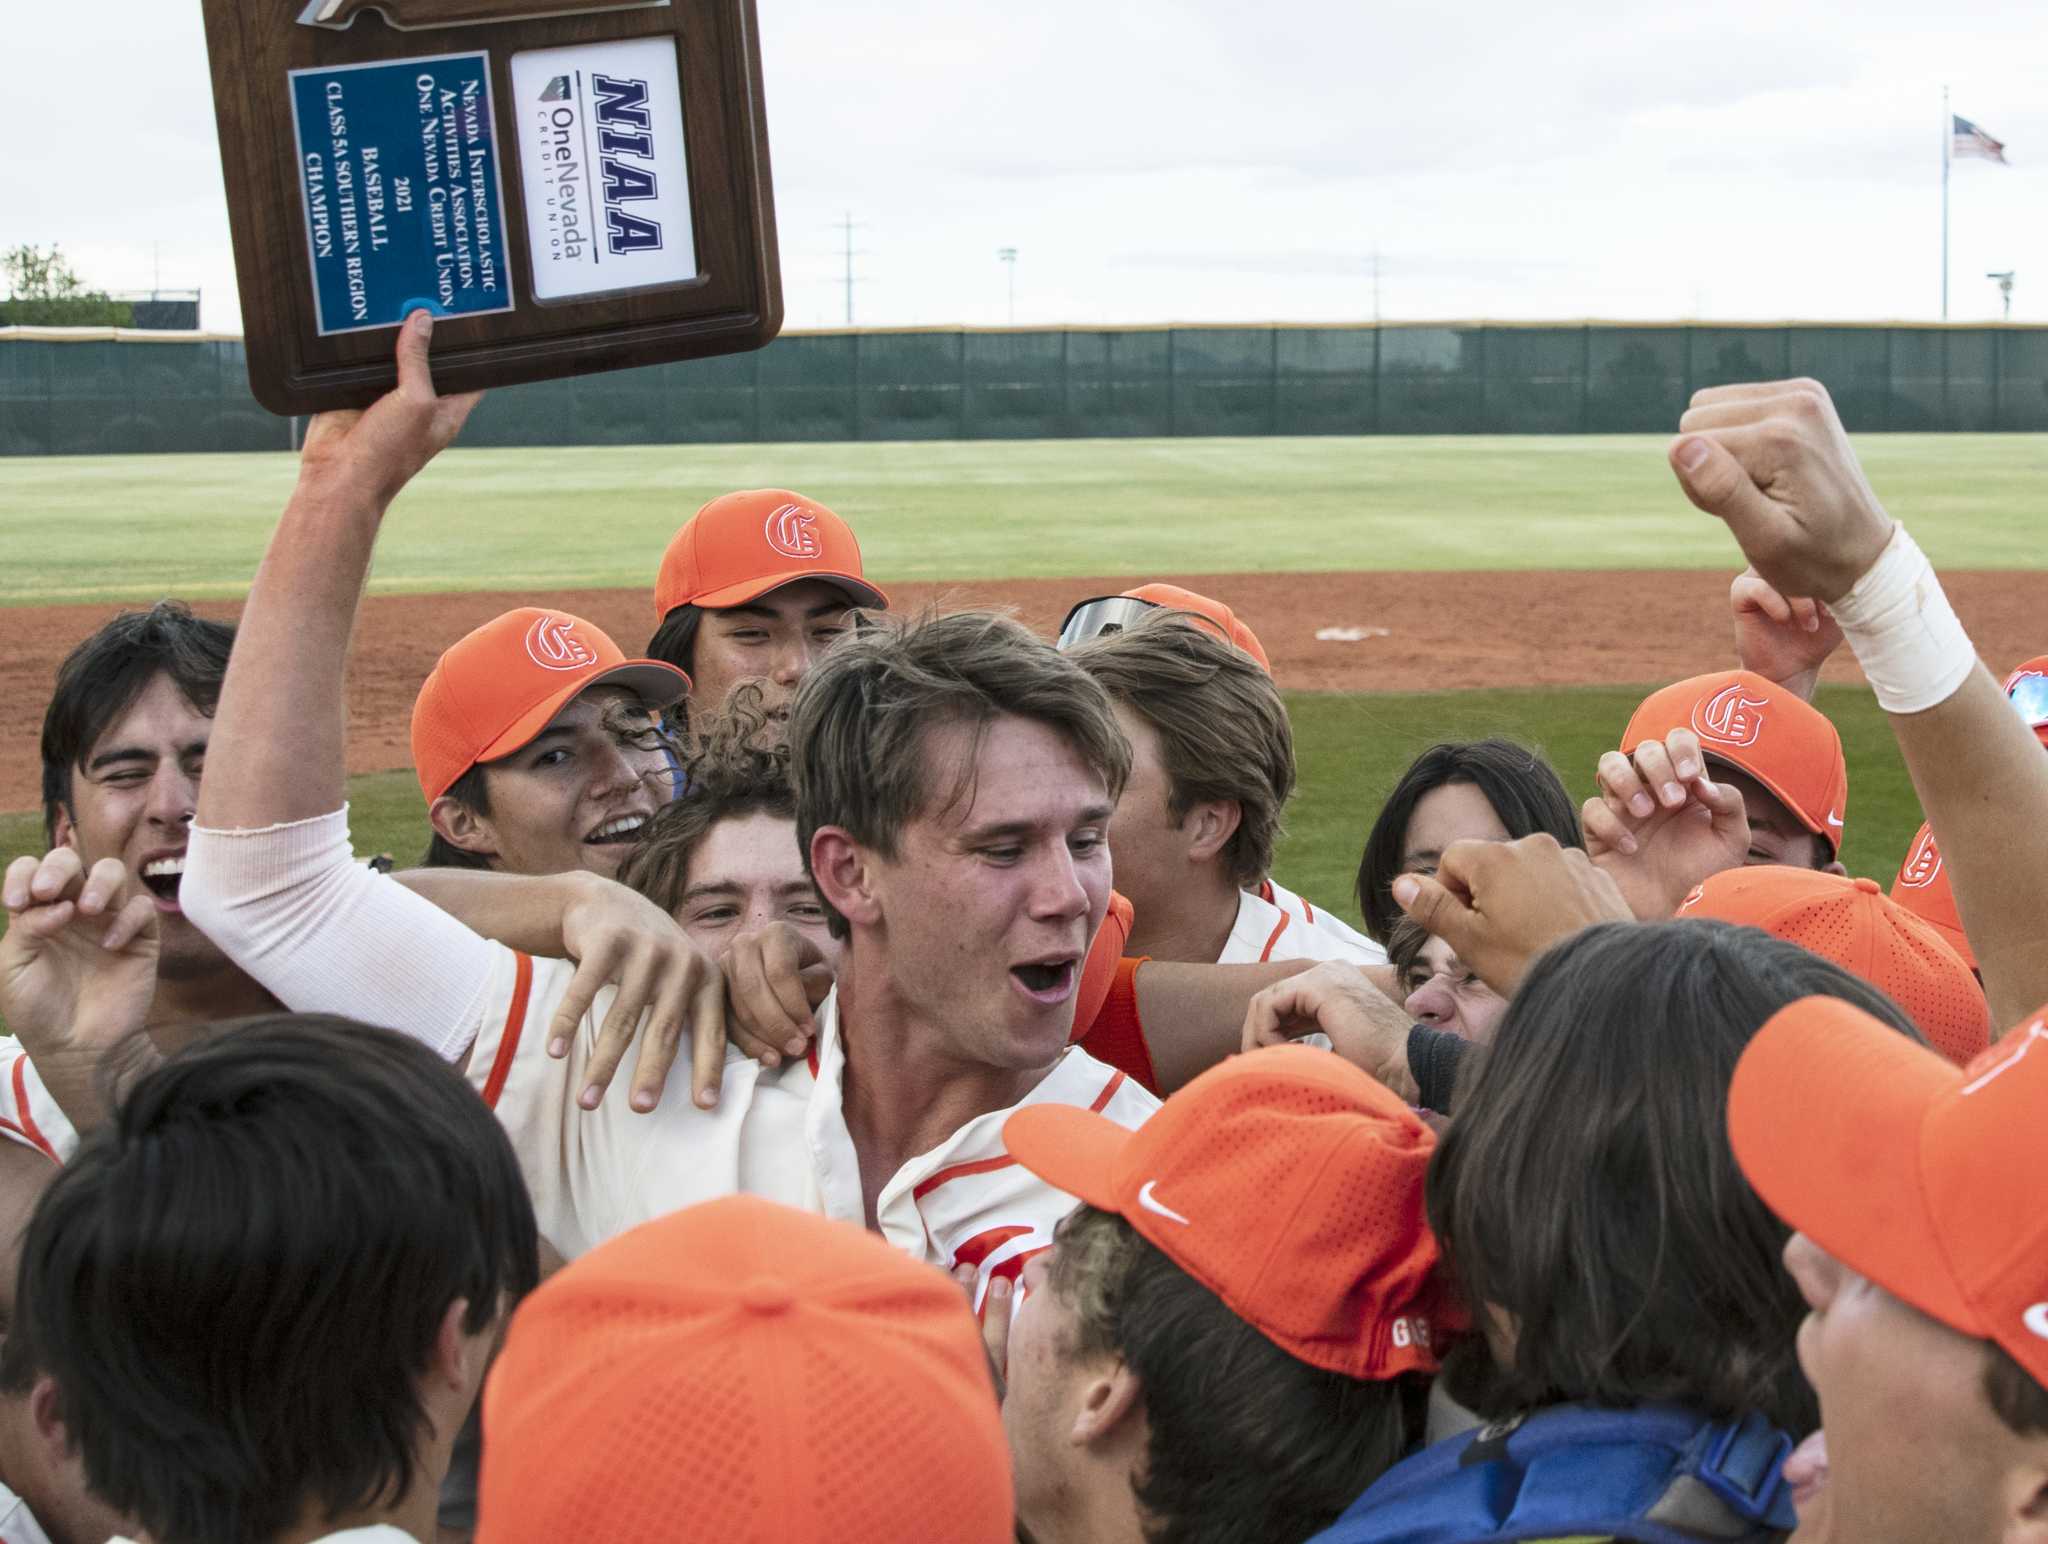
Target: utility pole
{"x": 1948, "y": 141}
{"x": 846, "y": 228}
{"x": 1007, "y": 256}
{"x": 1375, "y": 286}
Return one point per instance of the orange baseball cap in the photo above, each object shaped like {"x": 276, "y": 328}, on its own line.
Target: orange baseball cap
{"x": 1927, "y": 1179}
{"x": 2027, "y": 689}
{"x": 739, "y": 1370}
{"x": 1112, "y": 613}
{"x": 1757, "y": 727}
{"x": 1923, "y": 889}
{"x": 499, "y": 687}
{"x": 1287, "y": 1182}
{"x": 1228, "y": 624}
{"x": 742, "y": 545}
{"x": 1851, "y": 922}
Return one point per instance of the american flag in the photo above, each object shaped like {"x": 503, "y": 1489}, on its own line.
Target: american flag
{"x": 1973, "y": 141}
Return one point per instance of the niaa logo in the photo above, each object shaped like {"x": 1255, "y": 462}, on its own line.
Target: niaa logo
{"x": 1922, "y": 863}
{"x": 792, "y": 531}
{"x": 552, "y": 644}
{"x": 623, "y": 130}
{"x": 1729, "y": 716}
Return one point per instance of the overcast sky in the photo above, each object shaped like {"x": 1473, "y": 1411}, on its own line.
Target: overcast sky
{"x": 1156, "y": 161}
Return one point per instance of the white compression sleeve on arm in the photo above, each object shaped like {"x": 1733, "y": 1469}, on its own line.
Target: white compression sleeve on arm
{"x": 1903, "y": 631}
{"x": 322, "y": 933}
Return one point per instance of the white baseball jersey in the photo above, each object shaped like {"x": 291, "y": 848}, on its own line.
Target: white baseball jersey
{"x": 30, "y": 1117}
{"x": 289, "y": 906}
{"x": 1369, "y": 953}
{"x": 776, "y": 1133}
{"x": 1283, "y": 926}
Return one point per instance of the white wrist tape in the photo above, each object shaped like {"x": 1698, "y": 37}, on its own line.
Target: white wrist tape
{"x": 1904, "y": 632}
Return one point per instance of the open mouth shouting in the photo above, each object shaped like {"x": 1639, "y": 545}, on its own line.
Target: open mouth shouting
{"x": 160, "y": 876}
{"x": 1047, "y": 982}
{"x": 619, "y": 831}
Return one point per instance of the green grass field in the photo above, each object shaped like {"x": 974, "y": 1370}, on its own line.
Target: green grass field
{"x": 134, "y": 528}
{"x": 138, "y": 527}
{"x": 1351, "y": 749}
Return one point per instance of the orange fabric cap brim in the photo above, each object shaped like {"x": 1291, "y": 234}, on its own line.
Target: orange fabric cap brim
{"x": 861, "y": 592}
{"x": 1825, "y": 1114}
{"x": 661, "y": 685}
{"x": 1070, "y": 1149}
{"x": 1778, "y": 792}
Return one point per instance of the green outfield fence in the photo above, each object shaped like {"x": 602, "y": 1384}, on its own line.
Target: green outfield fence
{"x": 101, "y": 393}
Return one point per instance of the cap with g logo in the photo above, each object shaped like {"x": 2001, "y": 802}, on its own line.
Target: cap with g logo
{"x": 742, "y": 545}
{"x": 1928, "y": 1179}
{"x": 495, "y": 690}
{"x": 1923, "y": 889}
{"x": 1757, "y": 727}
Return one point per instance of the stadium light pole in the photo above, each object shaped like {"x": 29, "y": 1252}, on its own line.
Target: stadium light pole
{"x": 2005, "y": 288}
{"x": 1007, "y": 256}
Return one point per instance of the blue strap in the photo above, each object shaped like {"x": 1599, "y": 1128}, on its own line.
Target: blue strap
{"x": 1744, "y": 1465}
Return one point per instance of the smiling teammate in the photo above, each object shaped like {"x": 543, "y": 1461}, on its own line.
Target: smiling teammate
{"x": 124, "y": 742}
{"x": 536, "y": 748}
{"x": 755, "y": 587}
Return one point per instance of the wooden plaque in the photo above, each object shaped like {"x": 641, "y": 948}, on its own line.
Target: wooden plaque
{"x": 569, "y": 185}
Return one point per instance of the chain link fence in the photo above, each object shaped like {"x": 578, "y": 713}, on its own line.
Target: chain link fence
{"x": 104, "y": 396}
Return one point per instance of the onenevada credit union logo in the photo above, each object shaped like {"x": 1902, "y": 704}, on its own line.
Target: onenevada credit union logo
{"x": 604, "y": 169}
{"x": 625, "y": 174}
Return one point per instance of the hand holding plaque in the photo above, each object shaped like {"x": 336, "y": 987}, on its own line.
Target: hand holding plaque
{"x": 579, "y": 189}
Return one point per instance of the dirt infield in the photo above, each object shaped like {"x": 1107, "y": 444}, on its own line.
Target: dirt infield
{"x": 1444, "y": 631}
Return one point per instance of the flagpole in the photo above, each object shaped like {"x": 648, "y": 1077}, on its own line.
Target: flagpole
{"x": 1948, "y": 137}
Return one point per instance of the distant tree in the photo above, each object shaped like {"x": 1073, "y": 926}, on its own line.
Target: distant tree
{"x": 43, "y": 291}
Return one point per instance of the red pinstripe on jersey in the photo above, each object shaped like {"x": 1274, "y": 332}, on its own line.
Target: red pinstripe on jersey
{"x": 28, "y": 1126}
{"x": 1274, "y": 937}
{"x": 515, "y": 1025}
{"x": 932, "y": 1181}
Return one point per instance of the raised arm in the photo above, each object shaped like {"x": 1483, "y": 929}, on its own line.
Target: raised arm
{"x": 280, "y": 731}
{"x": 1772, "y": 461}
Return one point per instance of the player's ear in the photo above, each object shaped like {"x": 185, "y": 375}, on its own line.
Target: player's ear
{"x": 1210, "y": 825}
{"x": 844, "y": 875}
{"x": 47, "y": 1419}
{"x": 460, "y": 826}
{"x": 2026, "y": 1498}
{"x": 63, "y": 830}
{"x": 460, "y": 1355}
{"x": 1114, "y": 1397}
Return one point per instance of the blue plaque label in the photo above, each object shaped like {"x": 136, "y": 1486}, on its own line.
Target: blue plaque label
{"x": 398, "y": 170}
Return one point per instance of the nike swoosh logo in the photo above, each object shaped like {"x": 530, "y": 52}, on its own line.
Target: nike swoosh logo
{"x": 1147, "y": 1200}
{"x": 2036, "y": 1319}
{"x": 1835, "y": 821}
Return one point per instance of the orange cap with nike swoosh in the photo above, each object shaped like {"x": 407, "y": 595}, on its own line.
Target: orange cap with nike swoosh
{"x": 741, "y": 545}
{"x": 1289, "y": 1183}
{"x": 1757, "y": 727}
{"x": 1928, "y": 1179}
